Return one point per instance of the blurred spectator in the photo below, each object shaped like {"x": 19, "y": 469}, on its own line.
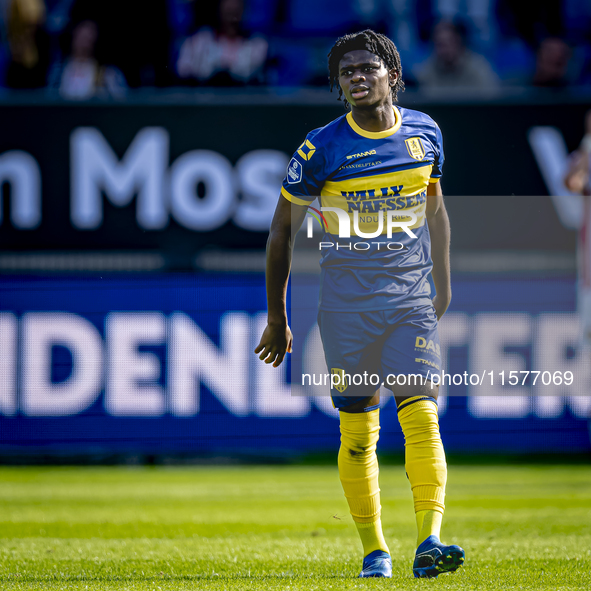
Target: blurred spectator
{"x": 81, "y": 76}
{"x": 29, "y": 45}
{"x": 452, "y": 64}
{"x": 552, "y": 61}
{"x": 134, "y": 36}
{"x": 224, "y": 55}
{"x": 476, "y": 13}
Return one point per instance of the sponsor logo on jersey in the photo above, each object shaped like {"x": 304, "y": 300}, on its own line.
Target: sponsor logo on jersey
{"x": 426, "y": 362}
{"x": 339, "y": 383}
{"x": 415, "y": 148}
{"x": 383, "y": 199}
{"x": 306, "y": 150}
{"x": 294, "y": 172}
{"x": 423, "y": 344}
{"x": 358, "y": 164}
{"x": 362, "y": 154}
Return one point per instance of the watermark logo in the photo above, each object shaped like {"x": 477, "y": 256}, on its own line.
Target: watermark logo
{"x": 393, "y": 219}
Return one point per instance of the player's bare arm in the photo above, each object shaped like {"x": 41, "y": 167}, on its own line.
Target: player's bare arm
{"x": 277, "y": 338}
{"x": 439, "y": 229}
{"x": 576, "y": 179}
{"x": 577, "y": 175}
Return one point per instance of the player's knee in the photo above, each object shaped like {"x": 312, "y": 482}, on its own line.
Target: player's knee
{"x": 359, "y": 453}
{"x": 358, "y": 445}
{"x": 359, "y": 435}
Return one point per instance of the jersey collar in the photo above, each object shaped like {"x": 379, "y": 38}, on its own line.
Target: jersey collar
{"x": 376, "y": 135}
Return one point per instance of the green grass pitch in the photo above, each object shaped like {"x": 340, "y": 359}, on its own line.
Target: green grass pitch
{"x": 282, "y": 527}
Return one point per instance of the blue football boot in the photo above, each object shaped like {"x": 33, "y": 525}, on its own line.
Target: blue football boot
{"x": 376, "y": 564}
{"x": 433, "y": 558}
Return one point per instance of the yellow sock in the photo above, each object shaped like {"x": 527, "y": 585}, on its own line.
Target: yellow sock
{"x": 425, "y": 463}
{"x": 358, "y": 471}
{"x": 372, "y": 537}
{"x": 428, "y": 524}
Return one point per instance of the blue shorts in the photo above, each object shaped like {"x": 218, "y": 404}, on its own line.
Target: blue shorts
{"x": 368, "y": 349}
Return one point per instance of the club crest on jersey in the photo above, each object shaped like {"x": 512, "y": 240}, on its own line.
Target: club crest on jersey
{"x": 306, "y": 150}
{"x": 415, "y": 148}
{"x": 338, "y": 382}
{"x": 294, "y": 172}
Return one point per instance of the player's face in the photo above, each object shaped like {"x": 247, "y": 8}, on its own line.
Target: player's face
{"x": 365, "y": 80}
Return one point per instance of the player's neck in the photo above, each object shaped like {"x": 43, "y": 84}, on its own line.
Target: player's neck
{"x": 378, "y": 118}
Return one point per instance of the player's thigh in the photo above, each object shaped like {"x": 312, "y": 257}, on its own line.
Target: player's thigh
{"x": 411, "y": 354}
{"x": 352, "y": 347}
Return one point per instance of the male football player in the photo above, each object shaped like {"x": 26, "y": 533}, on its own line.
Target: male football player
{"x": 381, "y": 165}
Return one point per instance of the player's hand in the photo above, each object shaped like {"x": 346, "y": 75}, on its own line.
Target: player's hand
{"x": 441, "y": 304}
{"x": 274, "y": 344}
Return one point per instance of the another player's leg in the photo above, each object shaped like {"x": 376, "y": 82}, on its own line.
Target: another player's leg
{"x": 426, "y": 469}
{"x": 359, "y": 471}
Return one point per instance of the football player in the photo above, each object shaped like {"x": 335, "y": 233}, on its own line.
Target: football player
{"x": 381, "y": 165}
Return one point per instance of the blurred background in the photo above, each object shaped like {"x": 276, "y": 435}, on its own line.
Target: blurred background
{"x": 142, "y": 148}
{"x": 77, "y": 49}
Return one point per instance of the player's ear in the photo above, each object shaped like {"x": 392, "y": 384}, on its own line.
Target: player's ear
{"x": 393, "y": 75}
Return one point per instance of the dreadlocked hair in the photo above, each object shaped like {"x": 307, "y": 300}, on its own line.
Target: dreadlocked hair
{"x": 378, "y": 44}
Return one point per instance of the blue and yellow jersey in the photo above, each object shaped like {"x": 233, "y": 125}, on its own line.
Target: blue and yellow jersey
{"x": 366, "y": 174}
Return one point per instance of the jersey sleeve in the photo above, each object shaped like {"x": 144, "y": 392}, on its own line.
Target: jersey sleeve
{"x": 305, "y": 174}
{"x": 437, "y": 170}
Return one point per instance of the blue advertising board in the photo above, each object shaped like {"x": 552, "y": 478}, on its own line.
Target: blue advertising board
{"x": 164, "y": 363}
